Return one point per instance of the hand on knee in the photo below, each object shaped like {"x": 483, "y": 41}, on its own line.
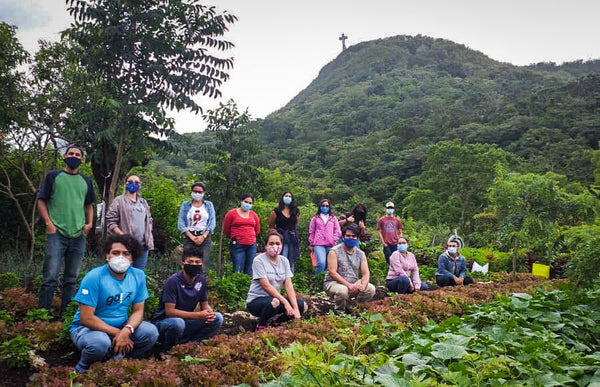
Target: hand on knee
{"x": 275, "y": 303}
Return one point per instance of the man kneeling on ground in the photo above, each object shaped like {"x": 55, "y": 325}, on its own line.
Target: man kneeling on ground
{"x": 344, "y": 262}
{"x": 104, "y": 296}
{"x": 176, "y": 318}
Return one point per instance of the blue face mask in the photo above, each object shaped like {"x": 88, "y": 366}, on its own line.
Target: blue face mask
{"x": 389, "y": 211}
{"x": 132, "y": 187}
{"x": 287, "y": 200}
{"x": 245, "y": 206}
{"x": 324, "y": 210}
{"x": 73, "y": 162}
{"x": 402, "y": 248}
{"x": 351, "y": 242}
{"x": 452, "y": 250}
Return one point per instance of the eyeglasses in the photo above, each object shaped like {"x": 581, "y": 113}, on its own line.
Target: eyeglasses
{"x": 390, "y": 208}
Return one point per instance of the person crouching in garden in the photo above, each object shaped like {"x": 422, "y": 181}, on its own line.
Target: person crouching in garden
{"x": 105, "y": 295}
{"x": 403, "y": 274}
{"x": 177, "y": 320}
{"x": 452, "y": 266}
{"x": 270, "y": 271}
{"x": 344, "y": 264}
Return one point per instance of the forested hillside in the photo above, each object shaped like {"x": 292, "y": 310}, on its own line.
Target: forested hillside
{"x": 432, "y": 125}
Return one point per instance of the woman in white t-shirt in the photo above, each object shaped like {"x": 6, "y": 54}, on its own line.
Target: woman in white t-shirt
{"x": 197, "y": 222}
{"x": 269, "y": 272}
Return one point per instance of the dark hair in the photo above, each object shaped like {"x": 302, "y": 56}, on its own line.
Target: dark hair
{"x": 273, "y": 233}
{"x": 127, "y": 240}
{"x": 191, "y": 251}
{"x": 360, "y": 213}
{"x": 198, "y": 184}
{"x": 247, "y": 195}
{"x": 402, "y": 237}
{"x": 352, "y": 227}
{"x": 294, "y": 211}
{"x": 74, "y": 145}
{"x": 321, "y": 203}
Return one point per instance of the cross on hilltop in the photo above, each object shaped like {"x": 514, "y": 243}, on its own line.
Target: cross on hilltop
{"x": 343, "y": 39}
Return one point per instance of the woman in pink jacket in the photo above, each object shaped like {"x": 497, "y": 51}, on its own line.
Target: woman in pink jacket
{"x": 323, "y": 233}
{"x": 403, "y": 274}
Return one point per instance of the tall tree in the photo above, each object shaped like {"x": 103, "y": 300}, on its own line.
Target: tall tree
{"x": 147, "y": 57}
{"x": 232, "y": 163}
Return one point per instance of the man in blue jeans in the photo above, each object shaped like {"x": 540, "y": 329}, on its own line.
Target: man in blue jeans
{"x": 176, "y": 318}
{"x": 105, "y": 295}
{"x": 65, "y": 204}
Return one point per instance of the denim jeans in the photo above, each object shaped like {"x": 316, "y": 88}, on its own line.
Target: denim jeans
{"x": 321, "y": 254}
{"x": 262, "y": 308}
{"x": 401, "y": 284}
{"x": 242, "y": 257}
{"x": 142, "y": 261}
{"x": 388, "y": 251}
{"x": 57, "y": 247}
{"x": 95, "y": 345}
{"x": 175, "y": 330}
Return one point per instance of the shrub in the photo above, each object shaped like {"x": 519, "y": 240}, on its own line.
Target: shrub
{"x": 15, "y": 352}
{"x": 232, "y": 290}
{"x": 37, "y": 315}
{"x": 8, "y": 281}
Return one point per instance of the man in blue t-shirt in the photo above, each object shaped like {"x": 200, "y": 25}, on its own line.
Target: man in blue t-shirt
{"x": 176, "y": 318}
{"x": 105, "y": 295}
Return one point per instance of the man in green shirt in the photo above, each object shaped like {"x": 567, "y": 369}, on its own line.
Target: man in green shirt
{"x": 65, "y": 203}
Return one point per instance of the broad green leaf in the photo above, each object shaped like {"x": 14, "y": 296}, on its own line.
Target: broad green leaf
{"x": 448, "y": 351}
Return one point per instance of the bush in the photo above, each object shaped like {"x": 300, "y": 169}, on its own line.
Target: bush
{"x": 232, "y": 290}
{"x": 18, "y": 302}
{"x": 15, "y": 352}
{"x": 37, "y": 315}
{"x": 9, "y": 280}
{"x": 583, "y": 244}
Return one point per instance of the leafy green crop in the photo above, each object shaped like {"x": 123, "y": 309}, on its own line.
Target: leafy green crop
{"x": 15, "y": 352}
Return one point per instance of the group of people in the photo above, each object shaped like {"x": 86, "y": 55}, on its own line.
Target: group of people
{"x": 104, "y": 325}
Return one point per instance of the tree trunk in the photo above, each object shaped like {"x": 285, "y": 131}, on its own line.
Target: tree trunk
{"x": 220, "y": 262}
{"x": 117, "y": 168}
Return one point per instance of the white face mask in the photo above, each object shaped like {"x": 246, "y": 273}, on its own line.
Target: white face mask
{"x": 119, "y": 264}
{"x": 273, "y": 250}
{"x": 452, "y": 250}
{"x": 197, "y": 196}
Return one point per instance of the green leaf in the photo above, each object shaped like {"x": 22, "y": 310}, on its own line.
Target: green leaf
{"x": 446, "y": 351}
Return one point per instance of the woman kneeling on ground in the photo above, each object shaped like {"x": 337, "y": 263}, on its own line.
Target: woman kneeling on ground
{"x": 269, "y": 271}
{"x": 403, "y": 266}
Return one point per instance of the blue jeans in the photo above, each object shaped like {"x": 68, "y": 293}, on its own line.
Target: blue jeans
{"x": 175, "y": 330}
{"x": 142, "y": 261}
{"x": 388, "y": 251}
{"x": 262, "y": 308}
{"x": 401, "y": 284}
{"x": 242, "y": 257}
{"x": 57, "y": 247}
{"x": 95, "y": 345}
{"x": 321, "y": 254}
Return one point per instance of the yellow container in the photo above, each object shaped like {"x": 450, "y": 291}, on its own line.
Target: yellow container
{"x": 540, "y": 270}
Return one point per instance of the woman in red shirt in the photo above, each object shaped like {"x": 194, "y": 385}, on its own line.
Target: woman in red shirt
{"x": 241, "y": 225}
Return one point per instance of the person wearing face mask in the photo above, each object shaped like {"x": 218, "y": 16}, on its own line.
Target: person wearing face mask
{"x": 65, "y": 204}
{"x": 390, "y": 228}
{"x": 348, "y": 271}
{"x": 102, "y": 325}
{"x": 270, "y": 271}
{"x": 197, "y": 221}
{"x": 358, "y": 216}
{"x": 242, "y": 226}
{"x": 177, "y": 319}
{"x": 129, "y": 214}
{"x": 284, "y": 219}
{"x": 403, "y": 274}
{"x": 452, "y": 266}
{"x": 323, "y": 234}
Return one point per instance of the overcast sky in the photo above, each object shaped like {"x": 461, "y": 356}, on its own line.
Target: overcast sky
{"x": 282, "y": 44}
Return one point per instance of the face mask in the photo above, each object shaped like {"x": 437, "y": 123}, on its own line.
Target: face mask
{"x": 119, "y": 264}
{"x": 389, "y": 211}
{"x": 452, "y": 250}
{"x": 273, "y": 250}
{"x": 197, "y": 196}
{"x": 324, "y": 210}
{"x": 192, "y": 270}
{"x": 132, "y": 187}
{"x": 351, "y": 242}
{"x": 402, "y": 248}
{"x": 287, "y": 200}
{"x": 245, "y": 206}
{"x": 73, "y": 162}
